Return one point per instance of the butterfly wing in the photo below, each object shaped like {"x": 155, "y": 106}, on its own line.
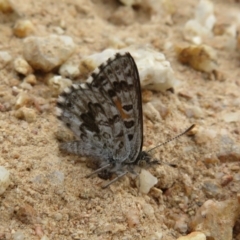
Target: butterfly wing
{"x": 105, "y": 113}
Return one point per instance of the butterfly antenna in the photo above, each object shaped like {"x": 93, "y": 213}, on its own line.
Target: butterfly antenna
{"x": 187, "y": 130}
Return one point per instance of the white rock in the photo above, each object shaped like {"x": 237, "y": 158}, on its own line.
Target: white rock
{"x": 47, "y": 53}
{"x": 202, "y": 24}
{"x": 89, "y": 63}
{"x": 154, "y": 70}
{"x": 4, "y": 179}
{"x": 146, "y": 181}
{"x": 193, "y": 31}
{"x": 204, "y": 14}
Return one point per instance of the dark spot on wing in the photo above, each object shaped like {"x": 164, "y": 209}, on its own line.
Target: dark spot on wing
{"x": 83, "y": 137}
{"x": 114, "y": 119}
{"x": 130, "y": 137}
{"x": 116, "y": 86}
{"x": 129, "y": 124}
{"x": 68, "y": 104}
{"x": 120, "y": 134}
{"x": 129, "y": 73}
{"x": 95, "y": 108}
{"x": 109, "y": 71}
{"x": 121, "y": 144}
{"x": 60, "y": 104}
{"x": 124, "y": 86}
{"x": 89, "y": 122}
{"x": 111, "y": 93}
{"x": 128, "y": 107}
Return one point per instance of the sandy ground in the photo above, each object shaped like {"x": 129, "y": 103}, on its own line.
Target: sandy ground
{"x": 49, "y": 198}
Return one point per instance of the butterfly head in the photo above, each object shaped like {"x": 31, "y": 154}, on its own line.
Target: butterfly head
{"x": 146, "y": 160}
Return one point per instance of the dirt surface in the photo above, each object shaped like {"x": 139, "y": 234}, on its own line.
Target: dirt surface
{"x": 49, "y": 197}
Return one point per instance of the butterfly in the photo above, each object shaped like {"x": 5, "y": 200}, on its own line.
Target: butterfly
{"x": 105, "y": 115}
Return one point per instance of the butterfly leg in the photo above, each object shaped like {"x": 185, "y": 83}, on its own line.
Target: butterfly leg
{"x": 115, "y": 179}
{"x": 98, "y": 170}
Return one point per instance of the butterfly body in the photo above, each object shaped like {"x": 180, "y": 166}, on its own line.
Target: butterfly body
{"x": 105, "y": 115}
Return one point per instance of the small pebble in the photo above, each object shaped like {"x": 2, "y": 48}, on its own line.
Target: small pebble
{"x": 147, "y": 96}
{"x": 217, "y": 218}
{"x": 201, "y": 58}
{"x": 26, "y": 86}
{"x": 229, "y": 117}
{"x": 31, "y": 79}
{"x": 69, "y": 70}
{"x": 230, "y": 156}
{"x": 26, "y": 114}
{"x": 26, "y": 214}
{"x": 4, "y": 179}
{"x": 21, "y": 66}
{"x": 44, "y": 237}
{"x": 195, "y": 112}
{"x": 151, "y": 112}
{"x": 148, "y": 210}
{"x": 23, "y": 28}
{"x": 18, "y": 235}
{"x": 146, "y": 181}
{"x": 57, "y": 84}
{"x": 23, "y": 99}
{"x": 226, "y": 179}
{"x": 193, "y": 236}
{"x": 201, "y": 26}
{"x": 211, "y": 188}
{"x": 47, "y": 53}
{"x": 5, "y": 58}
{"x": 116, "y": 42}
{"x": 6, "y": 6}
{"x": 124, "y": 15}
{"x": 132, "y": 218}
{"x": 58, "y": 216}
{"x": 56, "y": 177}
{"x": 181, "y": 223}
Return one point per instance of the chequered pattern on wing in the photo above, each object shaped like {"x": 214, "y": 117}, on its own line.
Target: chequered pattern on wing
{"x": 118, "y": 78}
{"x": 83, "y": 111}
{"x": 105, "y": 113}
